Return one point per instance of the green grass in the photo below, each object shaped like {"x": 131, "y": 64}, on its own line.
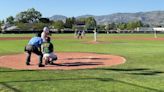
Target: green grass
{"x": 142, "y": 72}
{"x": 16, "y": 35}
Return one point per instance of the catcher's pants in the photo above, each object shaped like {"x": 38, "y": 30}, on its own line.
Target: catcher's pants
{"x": 52, "y": 56}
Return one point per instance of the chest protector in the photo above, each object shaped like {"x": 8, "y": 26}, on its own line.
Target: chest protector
{"x": 46, "y": 47}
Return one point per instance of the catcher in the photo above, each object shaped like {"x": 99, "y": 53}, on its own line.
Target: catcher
{"x": 48, "y": 52}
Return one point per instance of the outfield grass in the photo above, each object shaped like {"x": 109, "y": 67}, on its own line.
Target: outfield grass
{"x": 142, "y": 72}
{"x": 16, "y": 35}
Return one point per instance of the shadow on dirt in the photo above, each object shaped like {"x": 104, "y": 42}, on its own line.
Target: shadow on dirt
{"x": 79, "y": 64}
{"x": 87, "y": 58}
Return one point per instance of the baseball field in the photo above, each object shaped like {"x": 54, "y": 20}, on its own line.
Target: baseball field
{"x": 143, "y": 70}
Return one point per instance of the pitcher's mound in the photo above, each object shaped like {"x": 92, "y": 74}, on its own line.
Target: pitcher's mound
{"x": 66, "y": 61}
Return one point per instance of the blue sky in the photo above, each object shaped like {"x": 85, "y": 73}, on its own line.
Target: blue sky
{"x": 75, "y": 8}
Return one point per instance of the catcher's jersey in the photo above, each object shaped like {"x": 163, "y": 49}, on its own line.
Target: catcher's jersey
{"x": 47, "y": 47}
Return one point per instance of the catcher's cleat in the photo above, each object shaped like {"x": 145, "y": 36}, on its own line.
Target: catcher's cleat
{"x": 51, "y": 63}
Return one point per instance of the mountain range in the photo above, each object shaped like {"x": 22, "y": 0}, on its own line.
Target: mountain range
{"x": 151, "y": 17}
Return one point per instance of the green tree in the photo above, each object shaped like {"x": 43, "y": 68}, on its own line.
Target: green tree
{"x": 90, "y": 23}
{"x": 44, "y": 20}
{"x": 3, "y": 22}
{"x": 146, "y": 25}
{"x": 130, "y": 26}
{"x": 133, "y": 25}
{"x": 73, "y": 20}
{"x": 29, "y": 16}
{"x": 122, "y": 26}
{"x": 114, "y": 26}
{"x": 111, "y": 26}
{"x": 0, "y": 22}
{"x": 58, "y": 24}
{"x": 70, "y": 22}
{"x": 0, "y": 25}
{"x": 101, "y": 27}
{"x": 81, "y": 19}
{"x": 29, "y": 26}
{"x": 38, "y": 26}
{"x": 23, "y": 26}
{"x": 10, "y": 20}
{"x": 139, "y": 24}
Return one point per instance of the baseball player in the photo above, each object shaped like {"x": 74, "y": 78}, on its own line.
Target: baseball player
{"x": 47, "y": 50}
{"x": 80, "y": 34}
{"x": 45, "y": 33}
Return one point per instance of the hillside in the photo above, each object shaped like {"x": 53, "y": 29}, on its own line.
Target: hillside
{"x": 152, "y": 17}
